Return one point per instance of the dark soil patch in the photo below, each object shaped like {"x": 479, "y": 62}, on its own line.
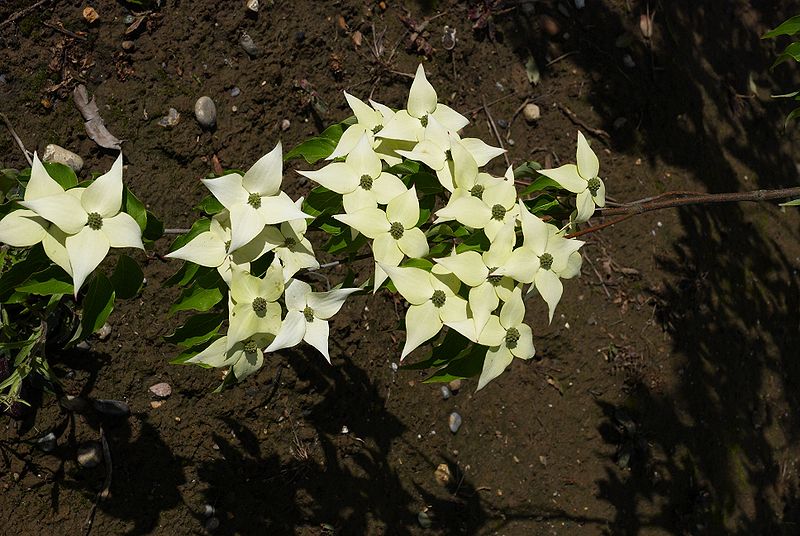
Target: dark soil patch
{"x": 664, "y": 396}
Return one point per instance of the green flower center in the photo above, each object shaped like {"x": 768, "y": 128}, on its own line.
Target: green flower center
{"x": 260, "y": 306}
{"x": 308, "y": 312}
{"x": 250, "y": 346}
{"x": 227, "y": 245}
{"x": 498, "y": 212}
{"x": 512, "y": 338}
{"x": 438, "y": 298}
{"x": 424, "y": 120}
{"x": 594, "y": 185}
{"x": 366, "y": 182}
{"x": 545, "y": 261}
{"x": 289, "y": 242}
{"x": 494, "y": 279}
{"x": 477, "y": 191}
{"x": 377, "y": 129}
{"x": 95, "y": 221}
{"x": 254, "y": 200}
{"x": 396, "y": 230}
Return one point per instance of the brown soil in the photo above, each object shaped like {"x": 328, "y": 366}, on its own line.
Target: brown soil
{"x": 663, "y": 399}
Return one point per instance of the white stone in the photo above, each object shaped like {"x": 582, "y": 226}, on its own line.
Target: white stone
{"x": 57, "y": 154}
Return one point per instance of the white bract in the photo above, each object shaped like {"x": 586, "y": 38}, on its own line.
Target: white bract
{"x": 410, "y": 124}
{"x": 544, "y": 258}
{"x": 91, "y": 219}
{"x": 369, "y": 121}
{"x": 581, "y": 179}
{"x": 307, "y": 316}
{"x": 255, "y": 199}
{"x": 434, "y": 304}
{"x": 292, "y": 248}
{"x": 252, "y": 307}
{"x": 394, "y": 233}
{"x": 507, "y": 337}
{"x": 360, "y": 179}
{"x": 243, "y": 357}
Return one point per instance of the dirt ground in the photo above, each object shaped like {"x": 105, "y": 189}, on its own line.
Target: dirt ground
{"x": 664, "y": 398}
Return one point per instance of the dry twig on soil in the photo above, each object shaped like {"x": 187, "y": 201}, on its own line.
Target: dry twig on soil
{"x": 13, "y": 133}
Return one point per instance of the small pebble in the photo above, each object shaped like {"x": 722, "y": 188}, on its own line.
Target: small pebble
{"x": 161, "y": 390}
{"x": 47, "y": 442}
{"x": 208, "y": 510}
{"x": 549, "y": 25}
{"x": 394, "y": 367}
{"x": 206, "y": 112}
{"x": 83, "y": 345}
{"x": 285, "y": 124}
{"x": 104, "y": 332}
{"x": 90, "y": 14}
{"x": 128, "y": 19}
{"x": 56, "y": 153}
{"x": 442, "y": 474}
{"x": 112, "y": 408}
{"x": 249, "y": 46}
{"x": 128, "y": 45}
{"x": 531, "y": 113}
{"x": 511, "y": 142}
{"x": 90, "y": 454}
{"x": 502, "y": 123}
{"x": 171, "y": 119}
{"x": 155, "y": 404}
{"x": 454, "y": 385}
{"x": 235, "y": 91}
{"x": 345, "y": 430}
{"x": 454, "y": 422}
{"x": 424, "y": 520}
{"x": 252, "y": 5}
{"x": 446, "y": 392}
{"x": 627, "y": 60}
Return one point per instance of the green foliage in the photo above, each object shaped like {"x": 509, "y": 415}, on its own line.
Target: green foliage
{"x": 317, "y": 148}
{"x": 789, "y": 27}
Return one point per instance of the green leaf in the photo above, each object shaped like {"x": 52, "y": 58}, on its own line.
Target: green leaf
{"x": 127, "y": 278}
{"x": 425, "y": 183}
{"x": 539, "y": 184}
{"x": 183, "y": 276}
{"x": 210, "y": 205}
{"x": 792, "y": 203}
{"x": 343, "y": 243}
{"x": 50, "y": 281}
{"x": 788, "y": 27}
{"x": 321, "y": 200}
{"x": 527, "y": 170}
{"x": 447, "y": 349}
{"x": 197, "y": 330}
{"x": 134, "y": 207}
{"x": 541, "y": 204}
{"x": 791, "y": 52}
{"x": 35, "y": 261}
{"x": 315, "y": 149}
{"x": 406, "y": 167}
{"x": 477, "y": 241}
{"x": 197, "y": 298}
{"x": 199, "y": 226}
{"x": 63, "y": 175}
{"x": 425, "y": 264}
{"x": 154, "y": 228}
{"x": 468, "y": 364}
{"x": 793, "y": 115}
{"x": 97, "y": 305}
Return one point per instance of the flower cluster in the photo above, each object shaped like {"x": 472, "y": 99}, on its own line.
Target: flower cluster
{"x": 260, "y": 221}
{"x": 479, "y": 294}
{"x": 76, "y": 226}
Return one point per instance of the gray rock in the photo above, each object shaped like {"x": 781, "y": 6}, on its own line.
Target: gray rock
{"x": 161, "y": 390}
{"x": 446, "y": 392}
{"x": 424, "y": 520}
{"x": 252, "y": 5}
{"x": 235, "y": 91}
{"x": 454, "y": 385}
{"x": 212, "y": 524}
{"x": 454, "y": 422}
{"x": 56, "y": 153}
{"x": 249, "y": 46}
{"x": 112, "y": 408}
{"x": 208, "y": 510}
{"x": 47, "y": 442}
{"x": 206, "y": 112}
{"x": 171, "y": 119}
{"x": 531, "y": 113}
{"x": 104, "y": 332}
{"x": 90, "y": 454}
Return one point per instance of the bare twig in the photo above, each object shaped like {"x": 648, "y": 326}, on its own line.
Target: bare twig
{"x": 600, "y": 133}
{"x": 490, "y": 103}
{"x": 60, "y": 28}
{"x": 16, "y": 138}
{"x": 176, "y": 231}
{"x": 21, "y": 13}
{"x": 599, "y": 277}
{"x": 632, "y": 209}
{"x": 561, "y": 57}
{"x": 494, "y": 129}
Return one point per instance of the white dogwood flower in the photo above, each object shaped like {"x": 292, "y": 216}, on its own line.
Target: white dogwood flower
{"x": 360, "y": 179}
{"x": 307, "y": 316}
{"x": 92, "y": 221}
{"x": 410, "y": 124}
{"x": 369, "y": 121}
{"x": 394, "y": 233}
{"x": 543, "y": 259}
{"x": 292, "y": 248}
{"x": 507, "y": 337}
{"x": 255, "y": 199}
{"x": 253, "y": 308}
{"x": 244, "y": 357}
{"x": 434, "y": 304}
{"x": 581, "y": 179}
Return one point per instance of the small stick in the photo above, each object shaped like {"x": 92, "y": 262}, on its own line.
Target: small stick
{"x": 176, "y": 231}
{"x": 600, "y": 133}
{"x": 494, "y": 129}
{"x": 22, "y": 13}
{"x": 16, "y": 138}
{"x": 513, "y": 117}
{"x": 60, "y": 28}
{"x": 490, "y": 103}
{"x": 561, "y": 57}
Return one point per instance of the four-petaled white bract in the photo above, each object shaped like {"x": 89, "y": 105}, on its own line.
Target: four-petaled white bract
{"x": 78, "y": 226}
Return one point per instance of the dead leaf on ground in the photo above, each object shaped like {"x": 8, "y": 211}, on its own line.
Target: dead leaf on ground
{"x": 95, "y": 126}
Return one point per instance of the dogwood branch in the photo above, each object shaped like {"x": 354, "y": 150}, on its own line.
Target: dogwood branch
{"x": 681, "y": 200}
